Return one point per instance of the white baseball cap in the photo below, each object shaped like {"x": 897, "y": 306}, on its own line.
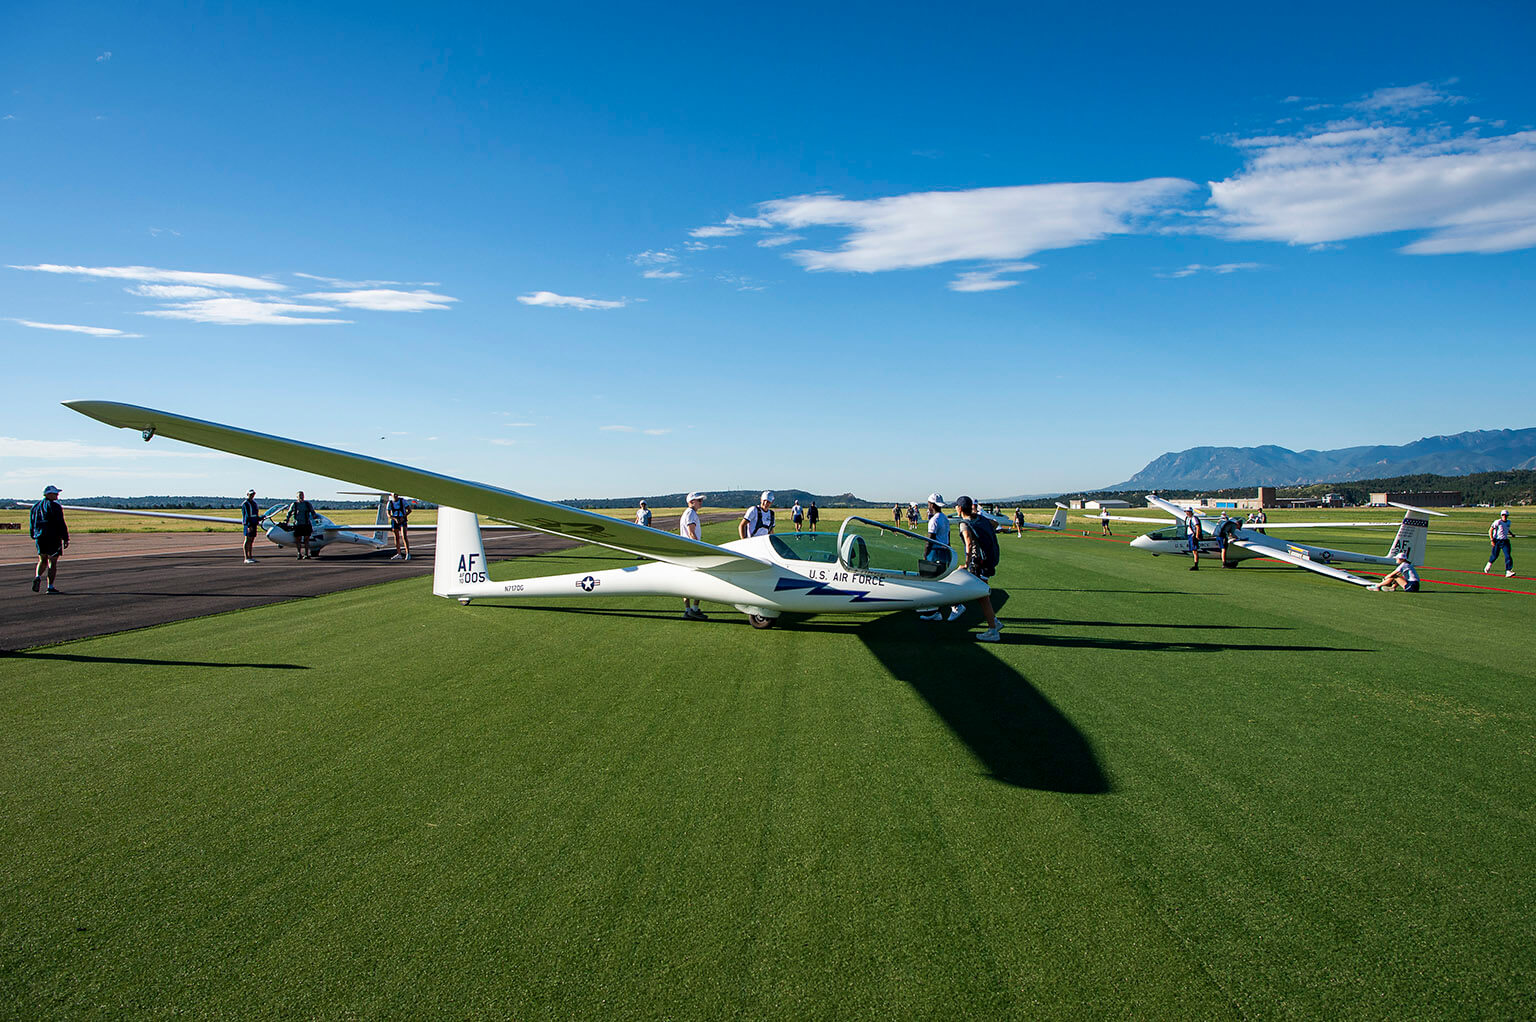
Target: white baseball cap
{"x": 936, "y": 499}
{"x": 1402, "y": 556}
{"x": 250, "y": 493}
{"x": 51, "y": 489}
{"x": 767, "y": 495}
{"x": 695, "y": 496}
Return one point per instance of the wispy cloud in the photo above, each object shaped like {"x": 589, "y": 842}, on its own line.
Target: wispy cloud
{"x": 105, "y": 56}
{"x": 1358, "y": 178}
{"x": 654, "y": 257}
{"x": 982, "y": 224}
{"x": 519, "y": 425}
{"x": 384, "y": 299}
{"x": 617, "y": 429}
{"x": 1400, "y": 99}
{"x": 774, "y": 241}
{"x": 730, "y": 226}
{"x": 656, "y": 432}
{"x": 157, "y": 231}
{"x": 551, "y": 300}
{"x": 1220, "y": 268}
{"x": 154, "y": 275}
{"x": 172, "y": 291}
{"x": 989, "y": 278}
{"x": 245, "y": 312}
{"x": 74, "y": 450}
{"x": 93, "y": 331}
{"x": 663, "y": 274}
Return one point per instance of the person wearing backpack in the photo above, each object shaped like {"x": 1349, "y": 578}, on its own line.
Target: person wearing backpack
{"x": 981, "y": 557}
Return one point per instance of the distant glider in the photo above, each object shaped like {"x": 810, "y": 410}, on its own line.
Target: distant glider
{"x": 866, "y": 566}
{"x": 1247, "y": 541}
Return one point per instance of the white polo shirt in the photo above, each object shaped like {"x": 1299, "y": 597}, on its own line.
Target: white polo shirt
{"x": 938, "y": 528}
{"x": 1501, "y": 528}
{"x": 690, "y": 517}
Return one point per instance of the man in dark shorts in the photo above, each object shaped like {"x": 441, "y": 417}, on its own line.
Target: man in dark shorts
{"x": 1192, "y": 526}
{"x": 51, "y": 536}
{"x": 812, "y": 516}
{"x": 399, "y": 513}
{"x": 250, "y": 520}
{"x": 302, "y": 513}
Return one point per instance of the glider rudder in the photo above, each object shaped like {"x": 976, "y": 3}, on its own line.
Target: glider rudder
{"x": 459, "y": 562}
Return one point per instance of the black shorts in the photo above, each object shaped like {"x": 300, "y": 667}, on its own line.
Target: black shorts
{"x": 1411, "y": 587}
{"x": 251, "y": 529}
{"x": 397, "y": 523}
{"x": 48, "y": 546}
{"x": 303, "y": 531}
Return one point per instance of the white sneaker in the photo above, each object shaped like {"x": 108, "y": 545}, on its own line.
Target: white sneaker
{"x": 1374, "y": 588}
{"x": 1487, "y": 567}
{"x": 1509, "y": 574}
{"x": 990, "y": 635}
{"x": 250, "y": 560}
{"x": 406, "y": 557}
{"x": 956, "y": 612}
{"x": 935, "y": 616}
{"x": 398, "y": 557}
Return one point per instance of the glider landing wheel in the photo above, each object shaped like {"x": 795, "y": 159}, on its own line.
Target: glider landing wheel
{"x": 758, "y": 621}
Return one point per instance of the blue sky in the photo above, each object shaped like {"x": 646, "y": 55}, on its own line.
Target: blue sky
{"x": 882, "y": 249}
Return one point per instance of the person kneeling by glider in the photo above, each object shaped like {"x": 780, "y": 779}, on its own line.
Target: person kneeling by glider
{"x": 1401, "y": 577}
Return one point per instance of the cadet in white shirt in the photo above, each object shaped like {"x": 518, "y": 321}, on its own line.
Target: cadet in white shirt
{"x": 938, "y": 532}
{"x": 643, "y": 515}
{"x": 1499, "y": 535}
{"x": 689, "y": 528}
{"x": 1401, "y": 577}
{"x": 758, "y": 521}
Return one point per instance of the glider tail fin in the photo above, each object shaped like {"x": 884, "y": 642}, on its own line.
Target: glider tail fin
{"x": 1412, "y": 536}
{"x": 1059, "y": 519}
{"x": 460, "y": 558}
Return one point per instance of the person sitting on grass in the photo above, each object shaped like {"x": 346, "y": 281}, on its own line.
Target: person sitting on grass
{"x": 1401, "y": 577}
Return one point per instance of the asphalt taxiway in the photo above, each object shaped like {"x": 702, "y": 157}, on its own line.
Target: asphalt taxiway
{"x": 112, "y": 582}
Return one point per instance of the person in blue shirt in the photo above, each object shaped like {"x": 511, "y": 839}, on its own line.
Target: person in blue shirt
{"x": 51, "y": 536}
{"x": 250, "y": 521}
{"x": 1499, "y": 536}
{"x": 399, "y": 510}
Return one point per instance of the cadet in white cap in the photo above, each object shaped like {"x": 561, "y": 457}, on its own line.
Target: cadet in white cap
{"x": 1499, "y": 536}
{"x": 689, "y": 527}
{"x": 938, "y": 532}
{"x": 1401, "y": 577}
{"x": 51, "y": 536}
{"x": 643, "y": 515}
{"x": 758, "y": 521}
{"x": 250, "y": 521}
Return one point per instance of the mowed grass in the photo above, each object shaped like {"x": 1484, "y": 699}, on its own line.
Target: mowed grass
{"x": 1166, "y": 794}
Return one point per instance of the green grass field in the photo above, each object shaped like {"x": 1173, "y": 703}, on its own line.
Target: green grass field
{"x": 1247, "y": 793}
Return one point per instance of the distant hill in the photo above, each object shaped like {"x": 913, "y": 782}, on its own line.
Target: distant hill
{"x": 726, "y": 498}
{"x": 1487, "y": 450}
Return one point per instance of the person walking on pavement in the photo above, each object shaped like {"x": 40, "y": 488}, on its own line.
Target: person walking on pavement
{"x": 302, "y": 513}
{"x": 50, "y": 535}
{"x": 399, "y": 510}
{"x": 250, "y": 522}
{"x": 689, "y": 528}
{"x": 1499, "y": 535}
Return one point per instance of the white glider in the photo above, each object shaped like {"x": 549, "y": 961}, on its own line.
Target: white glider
{"x": 865, "y": 566}
{"x": 1247, "y": 541}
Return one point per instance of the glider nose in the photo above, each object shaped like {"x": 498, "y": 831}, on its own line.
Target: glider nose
{"x": 1141, "y": 543}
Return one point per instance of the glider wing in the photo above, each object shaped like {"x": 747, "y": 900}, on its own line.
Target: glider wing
{"x": 516, "y": 508}
{"x": 1283, "y": 554}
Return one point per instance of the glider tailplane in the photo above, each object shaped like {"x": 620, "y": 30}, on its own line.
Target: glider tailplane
{"x": 460, "y": 557}
{"x": 1411, "y": 537}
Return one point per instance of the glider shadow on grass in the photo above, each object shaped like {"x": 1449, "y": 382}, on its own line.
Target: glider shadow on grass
{"x": 1017, "y": 734}
{"x": 78, "y": 658}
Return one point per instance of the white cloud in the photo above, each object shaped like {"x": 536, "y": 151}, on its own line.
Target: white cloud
{"x": 654, "y": 258}
{"x": 157, "y": 231}
{"x": 1221, "y": 268}
{"x": 698, "y": 246}
{"x": 731, "y": 226}
{"x": 518, "y": 425}
{"x": 105, "y": 56}
{"x": 1405, "y": 98}
{"x": 245, "y": 312}
{"x": 384, "y": 299}
{"x": 503, "y": 442}
{"x": 94, "y": 331}
{"x": 663, "y": 274}
{"x": 1352, "y": 180}
{"x": 151, "y": 275}
{"x": 617, "y": 429}
{"x": 990, "y": 224}
{"x": 656, "y": 432}
{"x": 73, "y": 450}
{"x": 988, "y": 279}
{"x": 172, "y": 291}
{"x": 554, "y": 301}
{"x": 775, "y": 240}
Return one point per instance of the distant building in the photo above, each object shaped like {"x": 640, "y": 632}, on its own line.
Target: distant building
{"x": 1113, "y": 505}
{"x": 1419, "y": 498}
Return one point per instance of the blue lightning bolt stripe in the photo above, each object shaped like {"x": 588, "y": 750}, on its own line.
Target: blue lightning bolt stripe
{"x": 814, "y": 588}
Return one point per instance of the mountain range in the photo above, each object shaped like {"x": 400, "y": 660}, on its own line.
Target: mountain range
{"x": 1484, "y": 450}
